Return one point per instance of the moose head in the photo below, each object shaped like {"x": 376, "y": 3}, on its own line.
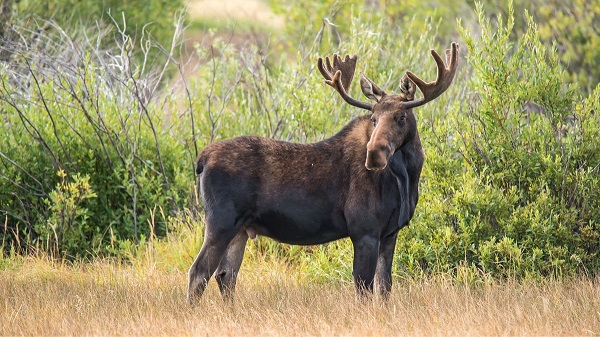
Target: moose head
{"x": 393, "y": 120}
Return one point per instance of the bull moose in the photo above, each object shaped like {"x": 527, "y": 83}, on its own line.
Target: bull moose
{"x": 361, "y": 183}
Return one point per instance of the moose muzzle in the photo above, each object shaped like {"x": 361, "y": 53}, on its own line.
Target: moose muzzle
{"x": 378, "y": 154}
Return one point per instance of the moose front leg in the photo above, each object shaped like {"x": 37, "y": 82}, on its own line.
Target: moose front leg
{"x": 366, "y": 249}
{"x": 383, "y": 274}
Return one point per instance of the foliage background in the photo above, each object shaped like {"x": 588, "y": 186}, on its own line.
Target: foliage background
{"x": 102, "y": 121}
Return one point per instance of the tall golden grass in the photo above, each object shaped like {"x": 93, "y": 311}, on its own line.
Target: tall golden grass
{"x": 38, "y": 297}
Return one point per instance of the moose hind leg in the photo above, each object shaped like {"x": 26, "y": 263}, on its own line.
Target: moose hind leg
{"x": 226, "y": 274}
{"x": 220, "y": 230}
{"x": 203, "y": 267}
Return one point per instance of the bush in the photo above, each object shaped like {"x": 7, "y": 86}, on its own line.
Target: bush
{"x": 142, "y": 16}
{"x": 513, "y": 189}
{"x": 96, "y": 117}
{"x": 571, "y": 27}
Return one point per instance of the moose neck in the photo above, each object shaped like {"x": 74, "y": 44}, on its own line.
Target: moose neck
{"x": 354, "y": 136}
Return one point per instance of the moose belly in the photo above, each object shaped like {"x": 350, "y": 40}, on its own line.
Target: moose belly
{"x": 300, "y": 223}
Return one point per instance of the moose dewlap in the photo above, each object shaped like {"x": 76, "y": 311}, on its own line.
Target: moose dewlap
{"x": 361, "y": 183}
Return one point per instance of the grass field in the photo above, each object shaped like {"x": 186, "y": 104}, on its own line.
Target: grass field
{"x": 39, "y": 297}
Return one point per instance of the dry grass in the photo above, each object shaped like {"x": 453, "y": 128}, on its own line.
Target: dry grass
{"x": 39, "y": 298}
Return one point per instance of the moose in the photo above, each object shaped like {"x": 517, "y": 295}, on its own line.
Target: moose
{"x": 361, "y": 183}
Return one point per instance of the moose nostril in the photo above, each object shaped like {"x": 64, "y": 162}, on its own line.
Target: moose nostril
{"x": 376, "y": 160}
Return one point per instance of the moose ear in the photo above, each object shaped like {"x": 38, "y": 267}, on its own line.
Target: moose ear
{"x": 370, "y": 89}
{"x": 407, "y": 88}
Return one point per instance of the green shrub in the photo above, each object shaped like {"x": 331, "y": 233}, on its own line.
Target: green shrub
{"x": 138, "y": 17}
{"x": 570, "y": 26}
{"x": 70, "y": 106}
{"x": 512, "y": 186}
{"x": 324, "y": 25}
{"x": 66, "y": 226}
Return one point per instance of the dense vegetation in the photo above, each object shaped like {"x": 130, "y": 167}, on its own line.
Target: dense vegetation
{"x": 99, "y": 138}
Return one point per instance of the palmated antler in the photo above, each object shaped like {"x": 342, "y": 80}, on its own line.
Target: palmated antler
{"x": 444, "y": 78}
{"x": 340, "y": 75}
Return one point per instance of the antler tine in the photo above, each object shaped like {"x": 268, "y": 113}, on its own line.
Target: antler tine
{"x": 347, "y": 66}
{"x": 324, "y": 70}
{"x": 340, "y": 75}
{"x": 445, "y": 75}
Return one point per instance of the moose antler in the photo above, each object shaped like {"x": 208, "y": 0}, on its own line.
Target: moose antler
{"x": 445, "y": 76}
{"x": 340, "y": 75}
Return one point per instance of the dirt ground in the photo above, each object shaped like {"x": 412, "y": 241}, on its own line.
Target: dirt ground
{"x": 235, "y": 9}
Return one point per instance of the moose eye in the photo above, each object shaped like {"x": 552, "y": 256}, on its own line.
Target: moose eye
{"x": 374, "y": 121}
{"x": 402, "y": 118}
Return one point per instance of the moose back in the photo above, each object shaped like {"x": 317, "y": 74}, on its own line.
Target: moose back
{"x": 362, "y": 183}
